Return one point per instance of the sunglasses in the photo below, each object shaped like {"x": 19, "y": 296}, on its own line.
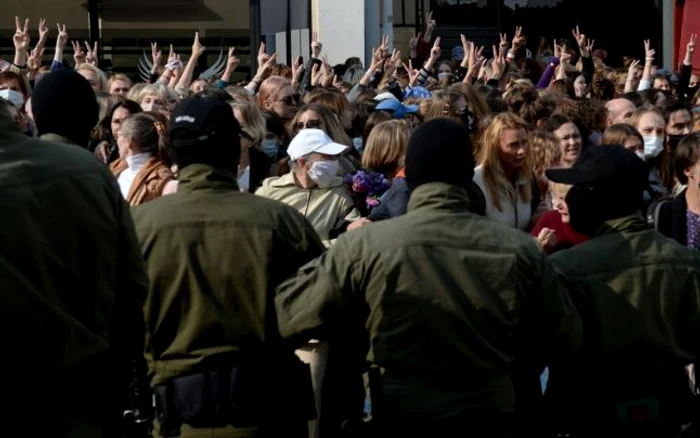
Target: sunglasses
{"x": 291, "y": 99}
{"x": 310, "y": 124}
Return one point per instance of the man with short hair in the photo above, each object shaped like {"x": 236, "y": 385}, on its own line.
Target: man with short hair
{"x": 214, "y": 257}
{"x": 619, "y": 111}
{"x": 638, "y": 293}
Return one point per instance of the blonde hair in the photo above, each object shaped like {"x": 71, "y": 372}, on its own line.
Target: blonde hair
{"x": 491, "y": 161}
{"x": 559, "y": 189}
{"x": 253, "y": 121}
{"x": 386, "y": 147}
{"x": 442, "y": 104}
{"x": 162, "y": 92}
{"x": 101, "y": 77}
{"x": 119, "y": 77}
{"x": 545, "y": 151}
{"x": 133, "y": 94}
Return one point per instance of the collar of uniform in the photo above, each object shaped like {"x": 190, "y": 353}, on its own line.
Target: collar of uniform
{"x": 288, "y": 180}
{"x": 438, "y": 195}
{"x": 628, "y": 224}
{"x": 203, "y": 176}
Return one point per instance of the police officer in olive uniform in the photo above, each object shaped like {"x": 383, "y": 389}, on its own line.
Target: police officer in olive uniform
{"x": 214, "y": 256}
{"x": 448, "y": 299}
{"x": 639, "y": 296}
{"x": 72, "y": 286}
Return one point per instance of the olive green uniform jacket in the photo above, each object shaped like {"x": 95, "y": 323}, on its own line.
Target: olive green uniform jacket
{"x": 447, "y": 298}
{"x": 639, "y": 295}
{"x": 72, "y": 281}
{"x": 215, "y": 256}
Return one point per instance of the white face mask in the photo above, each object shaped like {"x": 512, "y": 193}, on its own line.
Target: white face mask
{"x": 357, "y": 142}
{"x": 443, "y": 75}
{"x": 12, "y": 96}
{"x": 324, "y": 172}
{"x": 652, "y": 147}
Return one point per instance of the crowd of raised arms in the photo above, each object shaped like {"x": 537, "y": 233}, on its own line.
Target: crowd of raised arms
{"x": 489, "y": 242}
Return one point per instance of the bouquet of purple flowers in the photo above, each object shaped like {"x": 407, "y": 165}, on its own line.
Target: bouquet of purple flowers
{"x": 368, "y": 185}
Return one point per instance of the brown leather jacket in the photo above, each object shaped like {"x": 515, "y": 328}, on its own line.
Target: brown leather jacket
{"x": 149, "y": 182}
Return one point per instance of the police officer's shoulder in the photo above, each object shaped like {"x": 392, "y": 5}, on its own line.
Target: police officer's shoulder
{"x": 43, "y": 160}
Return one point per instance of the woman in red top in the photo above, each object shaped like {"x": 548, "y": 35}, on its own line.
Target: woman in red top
{"x": 553, "y": 231}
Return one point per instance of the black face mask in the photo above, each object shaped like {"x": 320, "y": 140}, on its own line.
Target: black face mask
{"x": 674, "y": 141}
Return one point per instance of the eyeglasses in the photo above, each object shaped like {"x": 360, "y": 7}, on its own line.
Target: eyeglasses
{"x": 289, "y": 100}
{"x": 310, "y": 124}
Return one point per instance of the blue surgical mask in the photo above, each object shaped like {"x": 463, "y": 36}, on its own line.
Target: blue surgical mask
{"x": 653, "y": 146}
{"x": 357, "y": 142}
{"x": 270, "y": 147}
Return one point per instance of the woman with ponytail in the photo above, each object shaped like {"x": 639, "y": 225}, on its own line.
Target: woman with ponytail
{"x": 143, "y": 168}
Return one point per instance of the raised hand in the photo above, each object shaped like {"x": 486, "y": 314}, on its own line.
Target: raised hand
{"x": 690, "y": 50}
{"x": 503, "y": 45}
{"x": 584, "y": 45}
{"x": 413, "y": 42}
{"x": 263, "y": 57}
{"x": 43, "y": 30}
{"x": 156, "y": 55}
{"x": 172, "y": 56}
{"x": 62, "y": 38}
{"x": 316, "y": 46}
{"x": 648, "y": 51}
{"x": 34, "y": 60}
{"x": 518, "y": 38}
{"x": 91, "y": 57}
{"x": 21, "y": 37}
{"x": 197, "y": 48}
{"x": 232, "y": 62}
{"x": 78, "y": 54}
{"x": 430, "y": 25}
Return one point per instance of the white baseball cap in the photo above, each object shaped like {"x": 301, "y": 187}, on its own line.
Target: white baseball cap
{"x": 384, "y": 96}
{"x": 308, "y": 141}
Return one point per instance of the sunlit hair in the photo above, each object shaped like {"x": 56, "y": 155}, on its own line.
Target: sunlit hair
{"x": 331, "y": 123}
{"x": 558, "y": 189}
{"x": 101, "y": 76}
{"x": 160, "y": 91}
{"x": 491, "y": 161}
{"x": 148, "y": 134}
{"x": 618, "y": 134}
{"x": 544, "y": 150}
{"x": 642, "y": 111}
{"x": 443, "y": 104}
{"x": 133, "y": 93}
{"x": 386, "y": 147}
{"x": 270, "y": 89}
{"x": 253, "y": 122}
{"x": 121, "y": 77}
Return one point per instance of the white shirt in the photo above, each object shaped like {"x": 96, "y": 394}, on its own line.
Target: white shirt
{"x": 514, "y": 212}
{"x": 134, "y": 162}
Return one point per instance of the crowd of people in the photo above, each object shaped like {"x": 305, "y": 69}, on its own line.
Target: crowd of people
{"x": 432, "y": 245}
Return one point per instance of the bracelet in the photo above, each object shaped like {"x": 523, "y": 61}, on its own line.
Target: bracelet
{"x": 649, "y": 59}
{"x": 21, "y": 67}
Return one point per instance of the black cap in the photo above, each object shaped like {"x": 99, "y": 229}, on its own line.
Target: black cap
{"x": 54, "y": 94}
{"x": 440, "y": 150}
{"x": 200, "y": 119}
{"x": 203, "y": 130}
{"x": 608, "y": 167}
